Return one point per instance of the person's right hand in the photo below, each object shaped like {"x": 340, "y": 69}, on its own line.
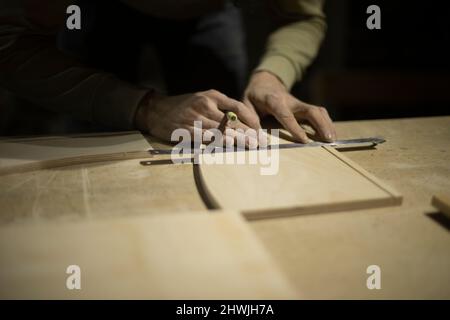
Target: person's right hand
{"x": 160, "y": 116}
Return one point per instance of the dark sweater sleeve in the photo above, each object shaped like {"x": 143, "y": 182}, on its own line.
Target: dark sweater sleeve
{"x": 32, "y": 67}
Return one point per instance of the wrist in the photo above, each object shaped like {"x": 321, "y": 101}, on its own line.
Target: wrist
{"x": 146, "y": 105}
{"x": 266, "y": 78}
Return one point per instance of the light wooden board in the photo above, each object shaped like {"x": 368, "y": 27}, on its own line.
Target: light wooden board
{"x": 22, "y": 154}
{"x": 327, "y": 255}
{"x": 309, "y": 180}
{"x": 188, "y": 256}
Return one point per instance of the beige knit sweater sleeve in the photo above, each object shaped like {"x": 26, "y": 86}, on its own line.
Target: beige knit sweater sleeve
{"x": 292, "y": 48}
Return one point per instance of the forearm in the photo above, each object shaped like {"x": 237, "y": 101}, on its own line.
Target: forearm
{"x": 34, "y": 69}
{"x": 293, "y": 47}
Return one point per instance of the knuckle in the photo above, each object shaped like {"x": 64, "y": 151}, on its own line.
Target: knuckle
{"x": 312, "y": 111}
{"x": 285, "y": 115}
{"x": 240, "y": 106}
{"x": 198, "y": 94}
{"x": 200, "y": 100}
{"x": 189, "y": 114}
{"x": 235, "y": 107}
{"x": 274, "y": 102}
{"x": 212, "y": 92}
{"x": 272, "y": 98}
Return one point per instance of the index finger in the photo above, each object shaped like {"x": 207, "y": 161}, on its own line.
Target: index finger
{"x": 289, "y": 122}
{"x": 322, "y": 124}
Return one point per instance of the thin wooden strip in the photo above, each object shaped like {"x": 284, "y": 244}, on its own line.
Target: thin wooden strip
{"x": 73, "y": 161}
{"x": 65, "y": 136}
{"x": 19, "y": 155}
{"x": 322, "y": 208}
{"x": 442, "y": 203}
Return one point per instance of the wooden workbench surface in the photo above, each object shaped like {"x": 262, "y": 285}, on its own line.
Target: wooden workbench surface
{"x": 326, "y": 255}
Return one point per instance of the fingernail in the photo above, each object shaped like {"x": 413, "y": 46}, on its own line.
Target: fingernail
{"x": 252, "y": 143}
{"x": 263, "y": 139}
{"x": 329, "y": 137}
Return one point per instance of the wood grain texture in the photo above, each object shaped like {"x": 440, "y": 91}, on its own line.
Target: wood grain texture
{"x": 189, "y": 256}
{"x": 97, "y": 190}
{"x": 324, "y": 255}
{"x": 309, "y": 180}
{"x": 327, "y": 254}
{"x": 27, "y": 154}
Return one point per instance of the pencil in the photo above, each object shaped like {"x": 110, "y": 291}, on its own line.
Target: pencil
{"x": 228, "y": 116}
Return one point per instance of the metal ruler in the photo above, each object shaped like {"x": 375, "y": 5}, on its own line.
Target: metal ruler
{"x": 339, "y": 144}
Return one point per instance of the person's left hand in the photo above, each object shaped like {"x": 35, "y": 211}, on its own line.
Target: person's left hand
{"x": 267, "y": 95}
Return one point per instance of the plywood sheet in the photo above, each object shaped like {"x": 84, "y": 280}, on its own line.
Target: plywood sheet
{"x": 188, "y": 256}
{"x": 309, "y": 180}
{"x": 26, "y": 154}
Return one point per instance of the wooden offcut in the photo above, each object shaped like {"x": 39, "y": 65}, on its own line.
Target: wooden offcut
{"x": 442, "y": 203}
{"x": 179, "y": 256}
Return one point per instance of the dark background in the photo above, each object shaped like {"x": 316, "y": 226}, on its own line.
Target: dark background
{"x": 402, "y": 70}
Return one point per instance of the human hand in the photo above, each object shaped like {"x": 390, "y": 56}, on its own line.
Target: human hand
{"x": 161, "y": 115}
{"x": 267, "y": 95}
